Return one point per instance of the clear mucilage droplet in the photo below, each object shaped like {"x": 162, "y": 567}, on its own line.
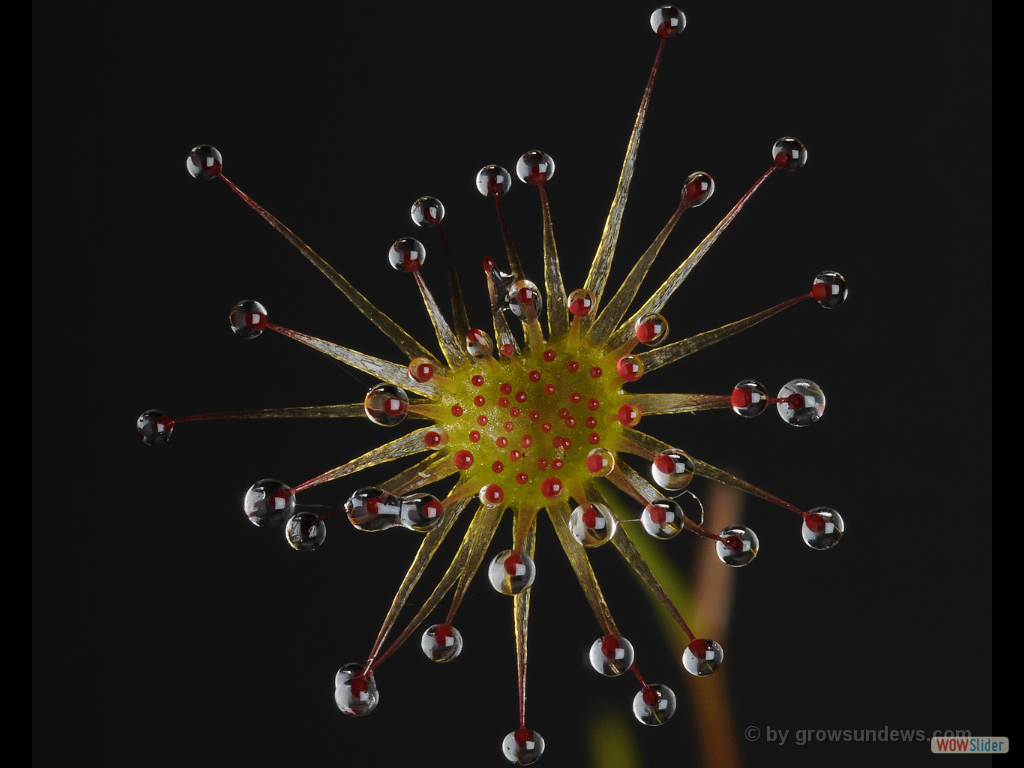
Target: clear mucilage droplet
{"x": 830, "y": 289}
{"x": 421, "y": 369}
{"x": 524, "y": 300}
{"x": 702, "y": 657}
{"x": 611, "y": 655}
{"x": 535, "y": 167}
{"x": 441, "y": 643}
{"x": 592, "y": 524}
{"x": 662, "y": 518}
{"x": 630, "y": 367}
{"x": 421, "y": 512}
{"x": 803, "y": 402}
{"x": 373, "y": 509}
{"x": 582, "y": 302}
{"x": 823, "y": 528}
{"x": 511, "y": 573}
{"x": 668, "y": 21}
{"x": 386, "y": 405}
{"x": 407, "y": 255}
{"x": 355, "y": 694}
{"x": 155, "y": 427}
{"x": 478, "y": 343}
{"x": 749, "y": 398}
{"x": 523, "y": 746}
{"x": 739, "y": 548}
{"x": 654, "y": 704}
{"x": 672, "y": 470}
{"x": 698, "y": 189}
{"x": 789, "y": 153}
{"x": 269, "y": 503}
{"x": 651, "y": 329}
{"x": 248, "y": 319}
{"x": 305, "y": 531}
{"x": 600, "y": 462}
{"x": 493, "y": 179}
{"x": 427, "y": 212}
{"x": 204, "y": 162}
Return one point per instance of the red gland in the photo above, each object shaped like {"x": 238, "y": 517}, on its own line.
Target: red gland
{"x": 493, "y": 494}
{"x": 513, "y": 567}
{"x": 741, "y": 398}
{"x": 551, "y": 487}
{"x": 463, "y": 459}
{"x": 628, "y": 415}
{"x": 656, "y": 513}
{"x": 422, "y": 372}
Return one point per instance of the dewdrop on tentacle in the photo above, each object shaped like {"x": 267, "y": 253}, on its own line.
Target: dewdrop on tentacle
{"x": 538, "y": 409}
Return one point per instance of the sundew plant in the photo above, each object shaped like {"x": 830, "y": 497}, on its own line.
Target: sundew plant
{"x": 537, "y": 410}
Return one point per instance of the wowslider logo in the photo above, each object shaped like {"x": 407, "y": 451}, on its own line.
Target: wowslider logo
{"x": 974, "y": 745}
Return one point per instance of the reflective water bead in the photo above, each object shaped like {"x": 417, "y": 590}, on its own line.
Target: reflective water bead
{"x": 592, "y": 524}
{"x": 305, "y": 531}
{"x": 355, "y": 694}
{"x": 789, "y": 153}
{"x": 654, "y": 704}
{"x": 749, "y": 398}
{"x": 427, "y": 212}
{"x": 511, "y": 573}
{"x": 493, "y": 179}
{"x": 823, "y": 528}
{"x": 421, "y": 369}
{"x": 535, "y": 167}
{"x": 829, "y": 289}
{"x": 581, "y": 302}
{"x": 269, "y": 502}
{"x": 739, "y": 548}
{"x": 155, "y": 427}
{"x": 386, "y": 405}
{"x": 803, "y": 402}
{"x": 698, "y": 189}
{"x": 611, "y": 655}
{"x": 662, "y": 518}
{"x": 630, "y": 367}
{"x": 651, "y": 329}
{"x": 421, "y": 512}
{"x": 702, "y": 657}
{"x": 407, "y": 254}
{"x": 478, "y": 343}
{"x": 600, "y": 462}
{"x": 204, "y": 162}
{"x": 524, "y": 300}
{"x": 668, "y": 21}
{"x": 441, "y": 643}
{"x": 672, "y": 470}
{"x": 373, "y": 509}
{"x": 248, "y": 319}
{"x": 523, "y": 746}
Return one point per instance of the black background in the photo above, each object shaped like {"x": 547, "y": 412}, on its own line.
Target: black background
{"x": 166, "y": 630}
